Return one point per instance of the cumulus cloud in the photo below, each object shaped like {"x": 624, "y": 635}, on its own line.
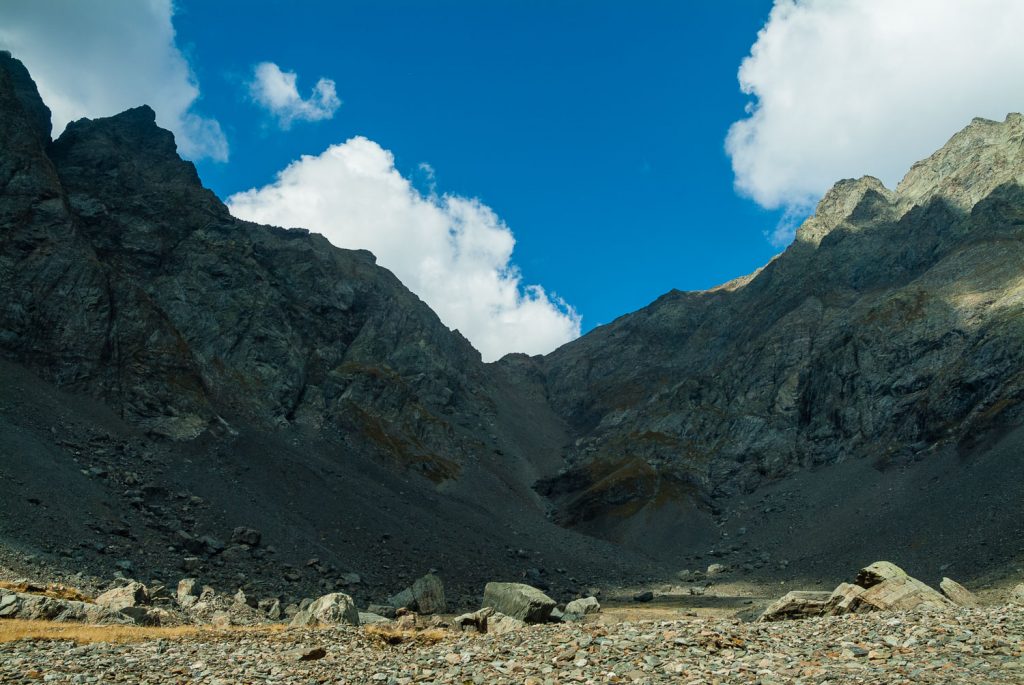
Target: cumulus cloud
{"x": 452, "y": 251}
{"x": 276, "y": 90}
{"x": 98, "y": 59}
{"x": 843, "y": 88}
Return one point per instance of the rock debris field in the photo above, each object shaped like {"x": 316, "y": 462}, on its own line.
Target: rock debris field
{"x": 965, "y": 646}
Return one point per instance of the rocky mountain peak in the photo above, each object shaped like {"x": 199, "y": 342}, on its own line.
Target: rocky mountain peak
{"x": 26, "y": 93}
{"x": 864, "y": 197}
{"x": 981, "y": 157}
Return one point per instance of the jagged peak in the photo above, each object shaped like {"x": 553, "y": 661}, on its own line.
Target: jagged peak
{"x": 866, "y": 195}
{"x": 975, "y": 161}
{"x": 27, "y": 95}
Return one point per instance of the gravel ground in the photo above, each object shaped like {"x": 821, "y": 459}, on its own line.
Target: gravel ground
{"x": 967, "y": 646}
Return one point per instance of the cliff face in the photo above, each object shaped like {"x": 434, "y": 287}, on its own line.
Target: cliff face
{"x": 891, "y": 327}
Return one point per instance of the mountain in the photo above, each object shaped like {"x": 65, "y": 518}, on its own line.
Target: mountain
{"x": 171, "y": 373}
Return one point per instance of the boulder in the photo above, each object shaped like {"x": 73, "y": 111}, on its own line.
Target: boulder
{"x": 645, "y": 596}
{"x": 246, "y": 536}
{"x": 385, "y": 610}
{"x": 957, "y": 593}
{"x": 796, "y": 604}
{"x": 1017, "y": 595}
{"x": 188, "y": 592}
{"x": 330, "y": 610}
{"x": 368, "y": 618}
{"x": 883, "y": 586}
{"x": 39, "y": 607}
{"x": 131, "y": 595}
{"x": 425, "y": 596}
{"x": 519, "y": 601}
{"x": 584, "y": 606}
{"x": 499, "y": 624}
{"x": 716, "y": 569}
{"x": 475, "y": 621}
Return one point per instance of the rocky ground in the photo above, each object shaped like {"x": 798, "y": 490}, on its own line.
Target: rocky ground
{"x": 969, "y": 645}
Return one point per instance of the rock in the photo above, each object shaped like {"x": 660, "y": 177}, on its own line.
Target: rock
{"x": 519, "y": 601}
{"x": 584, "y": 606}
{"x": 883, "y": 586}
{"x": 221, "y": 620}
{"x": 385, "y": 610}
{"x": 796, "y": 604}
{"x": 39, "y": 607}
{"x": 241, "y": 598}
{"x": 329, "y": 610}
{"x": 212, "y": 545}
{"x": 188, "y": 592}
{"x": 236, "y": 553}
{"x": 191, "y": 564}
{"x": 306, "y": 654}
{"x": 141, "y": 615}
{"x": 425, "y": 596}
{"x": 499, "y": 624}
{"x": 246, "y": 536}
{"x": 645, "y": 596}
{"x": 131, "y": 595}
{"x": 351, "y": 578}
{"x": 957, "y": 593}
{"x": 1017, "y": 595}
{"x": 368, "y": 617}
{"x": 475, "y": 621}
{"x": 716, "y": 569}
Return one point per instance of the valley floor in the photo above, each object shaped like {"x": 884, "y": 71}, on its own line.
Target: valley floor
{"x": 967, "y": 646}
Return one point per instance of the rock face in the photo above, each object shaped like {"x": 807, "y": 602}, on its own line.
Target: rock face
{"x": 883, "y": 332}
{"x": 329, "y": 610}
{"x": 518, "y": 601}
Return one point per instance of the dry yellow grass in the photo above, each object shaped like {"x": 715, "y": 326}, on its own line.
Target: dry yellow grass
{"x": 50, "y": 590}
{"x": 17, "y": 629}
{"x": 394, "y": 635}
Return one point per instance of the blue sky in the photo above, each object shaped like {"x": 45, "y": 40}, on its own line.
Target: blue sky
{"x": 595, "y": 130}
{"x": 622, "y": 148}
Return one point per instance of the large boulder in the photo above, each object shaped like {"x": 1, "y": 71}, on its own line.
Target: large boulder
{"x": 884, "y": 586}
{"x": 518, "y": 601}
{"x": 330, "y": 610}
{"x": 133, "y": 594}
{"x": 957, "y": 593}
{"x": 425, "y": 596}
{"x": 188, "y": 592}
{"x": 39, "y": 607}
{"x": 797, "y": 604}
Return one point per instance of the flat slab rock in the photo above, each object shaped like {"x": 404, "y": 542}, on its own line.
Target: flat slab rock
{"x": 34, "y": 607}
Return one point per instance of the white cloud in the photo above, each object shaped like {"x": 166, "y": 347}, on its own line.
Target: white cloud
{"x": 453, "y": 252}
{"x": 845, "y": 88}
{"x": 96, "y": 59}
{"x": 276, "y": 91}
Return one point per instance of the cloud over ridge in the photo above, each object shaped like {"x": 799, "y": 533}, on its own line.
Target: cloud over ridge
{"x": 276, "y": 91}
{"x": 845, "y": 88}
{"x": 99, "y": 59}
{"x": 452, "y": 251}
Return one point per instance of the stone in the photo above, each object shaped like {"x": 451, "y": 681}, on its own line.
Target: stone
{"x": 883, "y": 586}
{"x": 716, "y": 569}
{"x": 235, "y": 553}
{"x": 39, "y": 607}
{"x": 500, "y": 624}
{"x": 645, "y": 596}
{"x": 519, "y": 601}
{"x": 1017, "y": 595}
{"x": 246, "y": 536}
{"x": 221, "y": 620}
{"x": 188, "y": 592}
{"x": 385, "y": 610}
{"x": 475, "y": 621}
{"x": 131, "y": 595}
{"x": 796, "y": 604}
{"x": 584, "y": 606}
{"x": 306, "y": 654}
{"x": 330, "y": 610}
{"x": 425, "y": 596}
{"x": 368, "y": 618}
{"x": 957, "y": 593}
